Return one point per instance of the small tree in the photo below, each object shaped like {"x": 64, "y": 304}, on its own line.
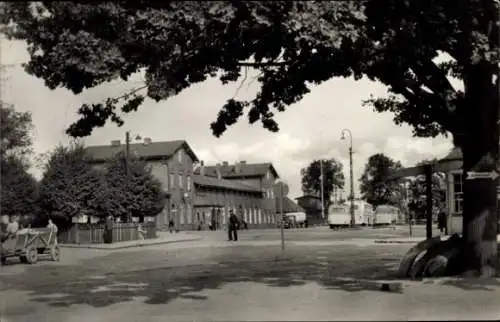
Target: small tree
{"x": 136, "y": 193}
{"x": 376, "y": 187}
{"x": 333, "y": 178}
{"x": 18, "y": 190}
{"x": 70, "y": 186}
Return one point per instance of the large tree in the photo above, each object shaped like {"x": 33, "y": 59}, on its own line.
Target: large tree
{"x": 376, "y": 184}
{"x": 293, "y": 44}
{"x": 333, "y": 178}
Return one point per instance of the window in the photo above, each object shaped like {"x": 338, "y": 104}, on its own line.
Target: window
{"x": 189, "y": 215}
{"x": 172, "y": 181}
{"x": 188, "y": 183}
{"x": 458, "y": 194}
{"x": 271, "y": 191}
{"x": 224, "y": 215}
{"x": 181, "y": 214}
{"x": 179, "y": 156}
{"x": 167, "y": 176}
{"x": 261, "y": 220}
{"x": 268, "y": 175}
{"x": 180, "y": 180}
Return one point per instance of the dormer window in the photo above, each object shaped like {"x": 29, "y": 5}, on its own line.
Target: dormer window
{"x": 179, "y": 156}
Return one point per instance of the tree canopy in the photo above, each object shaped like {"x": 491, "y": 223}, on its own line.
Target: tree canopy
{"x": 333, "y": 178}
{"x": 293, "y": 45}
{"x": 376, "y": 186}
{"x": 15, "y": 136}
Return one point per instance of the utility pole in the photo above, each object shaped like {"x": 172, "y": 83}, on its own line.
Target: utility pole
{"x": 351, "y": 195}
{"x": 127, "y": 151}
{"x": 322, "y": 190}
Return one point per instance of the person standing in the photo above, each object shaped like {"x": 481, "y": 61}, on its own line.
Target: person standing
{"x": 442, "y": 223}
{"x": 108, "y": 230}
{"x": 233, "y": 226}
{"x": 53, "y": 229}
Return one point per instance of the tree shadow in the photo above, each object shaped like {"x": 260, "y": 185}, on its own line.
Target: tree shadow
{"x": 90, "y": 284}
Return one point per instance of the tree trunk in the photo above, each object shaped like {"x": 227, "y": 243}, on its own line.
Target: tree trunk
{"x": 479, "y": 145}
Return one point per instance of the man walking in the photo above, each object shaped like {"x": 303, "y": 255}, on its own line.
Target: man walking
{"x": 233, "y": 226}
{"x": 442, "y": 223}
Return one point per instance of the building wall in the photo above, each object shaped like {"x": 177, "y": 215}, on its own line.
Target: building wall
{"x": 181, "y": 189}
{"x": 265, "y": 183}
{"x": 247, "y": 206}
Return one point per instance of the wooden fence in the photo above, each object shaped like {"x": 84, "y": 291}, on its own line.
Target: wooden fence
{"x": 94, "y": 233}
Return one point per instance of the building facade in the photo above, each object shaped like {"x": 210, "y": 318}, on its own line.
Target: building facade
{"x": 200, "y": 196}
{"x": 171, "y": 163}
{"x": 215, "y": 198}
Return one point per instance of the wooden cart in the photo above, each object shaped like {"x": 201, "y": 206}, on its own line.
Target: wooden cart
{"x": 30, "y": 244}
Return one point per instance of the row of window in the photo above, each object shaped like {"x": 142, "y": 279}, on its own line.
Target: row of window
{"x": 458, "y": 193}
{"x": 251, "y": 215}
{"x": 176, "y": 180}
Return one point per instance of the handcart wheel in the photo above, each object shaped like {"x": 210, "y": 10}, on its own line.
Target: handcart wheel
{"x": 55, "y": 253}
{"x": 31, "y": 255}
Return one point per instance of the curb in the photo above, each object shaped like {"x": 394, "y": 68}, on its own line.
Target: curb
{"x": 159, "y": 242}
{"x": 382, "y": 241}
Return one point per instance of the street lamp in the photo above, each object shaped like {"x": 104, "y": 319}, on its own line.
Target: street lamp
{"x": 351, "y": 195}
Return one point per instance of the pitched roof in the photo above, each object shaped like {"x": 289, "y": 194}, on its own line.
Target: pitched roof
{"x": 151, "y": 151}
{"x": 288, "y": 206}
{"x": 454, "y": 155}
{"x": 243, "y": 170}
{"x": 235, "y": 185}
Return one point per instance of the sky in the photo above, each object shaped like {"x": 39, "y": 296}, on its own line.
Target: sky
{"x": 310, "y": 129}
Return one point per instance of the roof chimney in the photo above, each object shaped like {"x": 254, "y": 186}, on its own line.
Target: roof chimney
{"x": 147, "y": 141}
{"x": 217, "y": 170}
{"x": 202, "y": 168}
{"x": 237, "y": 167}
{"x": 115, "y": 143}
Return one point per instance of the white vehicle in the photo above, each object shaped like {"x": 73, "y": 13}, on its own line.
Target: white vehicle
{"x": 339, "y": 216}
{"x": 297, "y": 218}
{"x": 386, "y": 215}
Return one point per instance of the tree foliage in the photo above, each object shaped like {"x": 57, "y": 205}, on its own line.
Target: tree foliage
{"x": 18, "y": 191}
{"x": 292, "y": 44}
{"x": 377, "y": 188}
{"x": 15, "y": 136}
{"x": 333, "y": 178}
{"x": 137, "y": 193}
{"x": 417, "y": 192}
{"x": 69, "y": 186}
{"x": 73, "y": 186}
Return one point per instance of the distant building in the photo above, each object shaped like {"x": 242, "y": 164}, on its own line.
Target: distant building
{"x": 312, "y": 207}
{"x": 172, "y": 163}
{"x": 260, "y": 176}
{"x": 199, "y": 195}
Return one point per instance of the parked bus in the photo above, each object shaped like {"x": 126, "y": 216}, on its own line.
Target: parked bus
{"x": 386, "y": 215}
{"x": 339, "y": 215}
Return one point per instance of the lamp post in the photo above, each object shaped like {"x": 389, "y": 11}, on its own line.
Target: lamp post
{"x": 127, "y": 159}
{"x": 351, "y": 195}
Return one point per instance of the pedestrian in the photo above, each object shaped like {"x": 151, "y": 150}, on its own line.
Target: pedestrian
{"x": 53, "y": 230}
{"x": 108, "y": 230}
{"x": 171, "y": 224}
{"x": 232, "y": 229}
{"x": 442, "y": 223}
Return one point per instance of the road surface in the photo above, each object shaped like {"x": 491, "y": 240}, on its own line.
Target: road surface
{"x": 213, "y": 279}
